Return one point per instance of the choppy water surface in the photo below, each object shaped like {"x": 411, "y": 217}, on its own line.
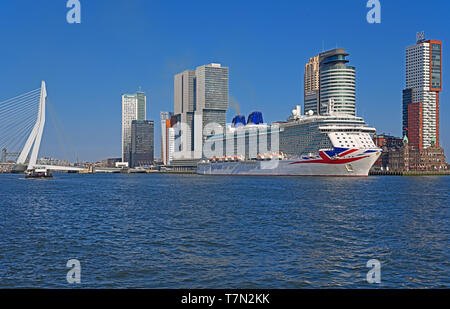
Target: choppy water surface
{"x": 180, "y": 231}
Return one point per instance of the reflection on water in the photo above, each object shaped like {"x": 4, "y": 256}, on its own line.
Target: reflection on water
{"x": 174, "y": 231}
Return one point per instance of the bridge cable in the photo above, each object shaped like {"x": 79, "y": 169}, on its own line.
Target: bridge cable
{"x": 58, "y": 135}
{"x": 18, "y": 117}
{"x": 52, "y": 111}
{"x": 20, "y": 96}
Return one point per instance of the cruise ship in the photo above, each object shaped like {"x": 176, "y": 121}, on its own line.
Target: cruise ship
{"x": 333, "y": 144}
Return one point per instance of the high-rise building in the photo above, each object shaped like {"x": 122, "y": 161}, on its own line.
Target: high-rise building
{"x": 200, "y": 98}
{"x": 133, "y": 108}
{"x": 4, "y": 155}
{"x": 142, "y": 143}
{"x": 185, "y": 85}
{"x": 212, "y": 93}
{"x": 336, "y": 82}
{"x": 421, "y": 95}
{"x": 163, "y": 117}
{"x": 168, "y": 121}
{"x": 311, "y": 86}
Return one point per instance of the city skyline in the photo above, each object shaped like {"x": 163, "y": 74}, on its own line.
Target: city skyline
{"x": 222, "y": 153}
{"x": 265, "y": 78}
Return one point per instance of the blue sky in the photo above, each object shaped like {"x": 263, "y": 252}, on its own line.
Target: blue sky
{"x": 121, "y": 45}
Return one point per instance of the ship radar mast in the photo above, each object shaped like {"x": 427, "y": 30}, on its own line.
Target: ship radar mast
{"x": 296, "y": 113}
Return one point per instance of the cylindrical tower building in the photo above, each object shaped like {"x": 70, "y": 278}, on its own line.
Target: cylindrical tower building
{"x": 337, "y": 82}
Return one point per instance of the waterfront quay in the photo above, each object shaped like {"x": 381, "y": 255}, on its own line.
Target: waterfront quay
{"x": 409, "y": 173}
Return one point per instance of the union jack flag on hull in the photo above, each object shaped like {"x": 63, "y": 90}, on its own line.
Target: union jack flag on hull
{"x": 336, "y": 156}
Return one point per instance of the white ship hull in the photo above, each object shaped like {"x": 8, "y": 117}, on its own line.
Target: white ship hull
{"x": 356, "y": 164}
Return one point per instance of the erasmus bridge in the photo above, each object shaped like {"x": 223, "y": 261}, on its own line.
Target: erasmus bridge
{"x": 22, "y": 120}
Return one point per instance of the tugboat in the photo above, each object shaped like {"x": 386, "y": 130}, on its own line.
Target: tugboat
{"x": 38, "y": 173}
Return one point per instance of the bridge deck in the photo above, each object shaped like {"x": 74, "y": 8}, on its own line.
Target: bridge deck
{"x": 61, "y": 168}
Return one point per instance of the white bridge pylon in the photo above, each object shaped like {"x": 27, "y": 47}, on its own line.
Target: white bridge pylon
{"x": 35, "y": 138}
{"x": 36, "y": 134}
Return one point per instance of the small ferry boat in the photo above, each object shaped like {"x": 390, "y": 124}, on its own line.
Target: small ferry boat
{"x": 38, "y": 173}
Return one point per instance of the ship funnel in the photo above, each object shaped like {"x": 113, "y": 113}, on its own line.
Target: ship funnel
{"x": 238, "y": 120}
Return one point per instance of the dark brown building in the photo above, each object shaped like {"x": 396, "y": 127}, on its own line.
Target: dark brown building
{"x": 406, "y": 157}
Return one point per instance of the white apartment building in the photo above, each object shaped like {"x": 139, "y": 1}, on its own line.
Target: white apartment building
{"x": 421, "y": 96}
{"x": 133, "y": 108}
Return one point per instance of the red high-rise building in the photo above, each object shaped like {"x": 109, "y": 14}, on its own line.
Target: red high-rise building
{"x": 415, "y": 125}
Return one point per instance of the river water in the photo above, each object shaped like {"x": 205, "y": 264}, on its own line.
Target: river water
{"x": 189, "y": 231}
